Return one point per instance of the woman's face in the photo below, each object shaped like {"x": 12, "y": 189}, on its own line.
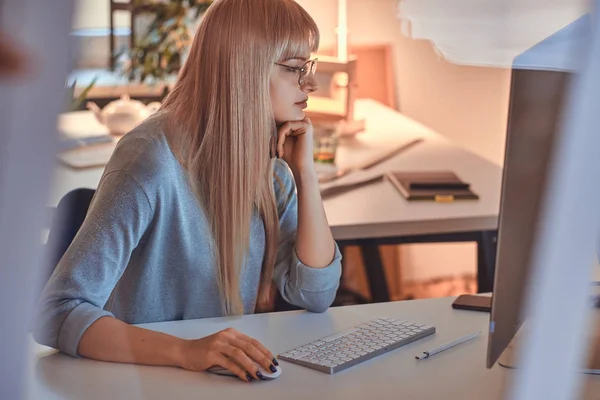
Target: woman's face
{"x": 288, "y": 97}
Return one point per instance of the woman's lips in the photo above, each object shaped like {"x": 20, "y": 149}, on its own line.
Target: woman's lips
{"x": 302, "y": 104}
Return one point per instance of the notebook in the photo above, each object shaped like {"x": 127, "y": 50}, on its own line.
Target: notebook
{"x": 439, "y": 186}
{"x": 93, "y": 156}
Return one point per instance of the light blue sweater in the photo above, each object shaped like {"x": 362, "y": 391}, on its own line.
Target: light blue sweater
{"x": 142, "y": 254}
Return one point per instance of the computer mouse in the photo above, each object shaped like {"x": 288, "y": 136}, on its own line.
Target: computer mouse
{"x": 269, "y": 374}
{"x": 266, "y": 373}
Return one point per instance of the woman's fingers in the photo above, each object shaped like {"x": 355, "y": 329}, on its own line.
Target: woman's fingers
{"x": 241, "y": 358}
{"x": 290, "y": 128}
{"x": 255, "y": 354}
{"x": 259, "y": 346}
{"x": 240, "y": 354}
{"x": 235, "y": 368}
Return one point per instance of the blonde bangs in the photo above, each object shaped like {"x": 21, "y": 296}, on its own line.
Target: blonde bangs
{"x": 295, "y": 32}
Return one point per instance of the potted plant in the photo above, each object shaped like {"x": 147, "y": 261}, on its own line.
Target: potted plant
{"x": 75, "y": 102}
{"x": 160, "y": 51}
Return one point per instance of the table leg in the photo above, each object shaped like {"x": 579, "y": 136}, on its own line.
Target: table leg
{"x": 375, "y": 273}
{"x": 486, "y": 257}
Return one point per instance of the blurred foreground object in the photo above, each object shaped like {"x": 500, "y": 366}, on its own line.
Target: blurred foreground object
{"x": 12, "y": 62}
{"x": 28, "y": 111}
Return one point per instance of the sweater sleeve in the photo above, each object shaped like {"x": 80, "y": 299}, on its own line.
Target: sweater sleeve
{"x": 311, "y": 288}
{"x": 85, "y": 277}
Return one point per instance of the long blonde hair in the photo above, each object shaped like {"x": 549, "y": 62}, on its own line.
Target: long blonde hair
{"x": 219, "y": 120}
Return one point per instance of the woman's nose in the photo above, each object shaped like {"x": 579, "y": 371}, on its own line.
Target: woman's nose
{"x": 309, "y": 84}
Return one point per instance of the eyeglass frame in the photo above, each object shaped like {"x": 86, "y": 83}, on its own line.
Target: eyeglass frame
{"x": 311, "y": 71}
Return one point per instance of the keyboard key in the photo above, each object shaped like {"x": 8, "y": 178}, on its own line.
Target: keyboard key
{"x": 338, "y": 336}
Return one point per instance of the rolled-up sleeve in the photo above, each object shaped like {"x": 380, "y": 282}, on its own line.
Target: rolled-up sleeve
{"x": 74, "y": 297}
{"x": 311, "y": 288}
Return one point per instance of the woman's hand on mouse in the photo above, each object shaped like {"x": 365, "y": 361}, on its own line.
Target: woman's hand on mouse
{"x": 295, "y": 145}
{"x": 229, "y": 349}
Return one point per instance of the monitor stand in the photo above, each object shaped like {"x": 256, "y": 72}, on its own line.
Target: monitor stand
{"x": 510, "y": 356}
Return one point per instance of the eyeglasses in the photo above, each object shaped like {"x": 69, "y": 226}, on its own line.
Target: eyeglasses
{"x": 309, "y": 68}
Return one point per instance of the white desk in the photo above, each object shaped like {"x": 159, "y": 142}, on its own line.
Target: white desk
{"x": 456, "y": 374}
{"x": 377, "y": 210}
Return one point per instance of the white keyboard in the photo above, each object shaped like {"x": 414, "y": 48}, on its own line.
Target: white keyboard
{"x": 363, "y": 342}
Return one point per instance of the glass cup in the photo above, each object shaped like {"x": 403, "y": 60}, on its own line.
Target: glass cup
{"x": 325, "y": 144}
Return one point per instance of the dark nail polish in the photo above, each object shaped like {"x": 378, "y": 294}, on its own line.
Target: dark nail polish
{"x": 275, "y": 361}
{"x": 260, "y": 375}
{"x": 272, "y": 368}
{"x": 249, "y": 377}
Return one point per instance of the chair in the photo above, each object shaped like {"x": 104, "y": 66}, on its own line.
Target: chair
{"x": 65, "y": 224}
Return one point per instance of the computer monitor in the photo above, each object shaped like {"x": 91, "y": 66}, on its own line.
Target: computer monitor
{"x": 539, "y": 88}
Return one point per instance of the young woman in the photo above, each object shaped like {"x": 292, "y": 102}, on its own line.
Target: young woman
{"x": 197, "y": 212}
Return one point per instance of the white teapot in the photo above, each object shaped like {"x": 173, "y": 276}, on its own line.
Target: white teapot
{"x": 121, "y": 116}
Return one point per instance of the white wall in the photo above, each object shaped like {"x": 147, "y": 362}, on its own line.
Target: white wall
{"x": 94, "y": 14}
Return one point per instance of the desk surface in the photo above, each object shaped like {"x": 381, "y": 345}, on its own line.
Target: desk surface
{"x": 458, "y": 373}
{"x": 378, "y": 210}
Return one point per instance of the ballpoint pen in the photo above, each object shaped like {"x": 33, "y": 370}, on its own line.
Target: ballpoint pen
{"x": 447, "y": 345}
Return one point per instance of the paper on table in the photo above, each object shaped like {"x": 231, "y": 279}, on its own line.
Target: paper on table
{"x": 349, "y": 182}
{"x": 83, "y": 142}
{"x": 80, "y": 124}
{"x": 363, "y": 172}
{"x": 89, "y": 156}
{"x": 80, "y": 129}
{"x": 382, "y": 156}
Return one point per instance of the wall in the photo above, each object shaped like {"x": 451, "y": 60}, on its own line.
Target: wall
{"x": 94, "y": 14}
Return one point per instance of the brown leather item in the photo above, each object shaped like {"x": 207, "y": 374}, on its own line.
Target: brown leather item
{"x": 439, "y": 186}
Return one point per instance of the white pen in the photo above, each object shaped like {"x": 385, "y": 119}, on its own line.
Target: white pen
{"x": 448, "y": 345}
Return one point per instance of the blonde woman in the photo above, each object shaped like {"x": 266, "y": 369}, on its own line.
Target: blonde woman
{"x": 197, "y": 212}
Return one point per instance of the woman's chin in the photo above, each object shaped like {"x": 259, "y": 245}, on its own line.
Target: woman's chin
{"x": 296, "y": 115}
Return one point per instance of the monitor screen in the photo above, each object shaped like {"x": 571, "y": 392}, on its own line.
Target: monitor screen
{"x": 539, "y": 87}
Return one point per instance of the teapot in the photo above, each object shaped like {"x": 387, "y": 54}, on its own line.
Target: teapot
{"x": 122, "y": 115}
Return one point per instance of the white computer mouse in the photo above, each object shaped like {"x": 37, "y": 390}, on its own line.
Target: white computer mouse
{"x": 266, "y": 373}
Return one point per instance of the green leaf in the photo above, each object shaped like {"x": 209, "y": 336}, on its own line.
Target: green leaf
{"x": 76, "y": 102}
